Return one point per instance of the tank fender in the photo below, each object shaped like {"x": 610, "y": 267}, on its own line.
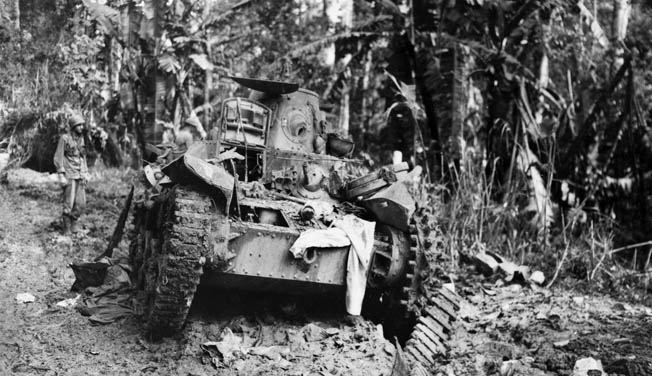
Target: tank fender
{"x": 189, "y": 169}
{"x": 395, "y": 204}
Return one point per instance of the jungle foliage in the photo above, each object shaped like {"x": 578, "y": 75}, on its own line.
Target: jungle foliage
{"x": 530, "y": 117}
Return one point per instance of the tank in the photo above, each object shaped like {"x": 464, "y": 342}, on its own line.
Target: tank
{"x": 228, "y": 212}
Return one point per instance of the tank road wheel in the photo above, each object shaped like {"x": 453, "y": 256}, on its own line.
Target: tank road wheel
{"x": 420, "y": 319}
{"x": 389, "y": 265}
{"x": 175, "y": 255}
{"x": 435, "y": 312}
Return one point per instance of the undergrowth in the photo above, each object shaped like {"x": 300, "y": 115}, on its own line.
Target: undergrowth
{"x": 465, "y": 218}
{"x": 112, "y": 183}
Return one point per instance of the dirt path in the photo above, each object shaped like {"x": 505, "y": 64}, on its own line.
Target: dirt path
{"x": 40, "y": 337}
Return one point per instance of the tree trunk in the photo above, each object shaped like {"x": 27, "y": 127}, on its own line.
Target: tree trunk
{"x": 151, "y": 91}
{"x": 452, "y": 104}
{"x": 366, "y": 98}
{"x": 341, "y": 12}
{"x": 544, "y": 69}
{"x": 16, "y": 6}
{"x": 159, "y": 78}
{"x": 108, "y": 57}
{"x": 458, "y": 103}
{"x": 622, "y": 11}
{"x": 344, "y": 109}
{"x": 209, "y": 73}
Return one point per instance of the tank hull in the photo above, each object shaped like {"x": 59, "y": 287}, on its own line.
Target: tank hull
{"x": 259, "y": 258}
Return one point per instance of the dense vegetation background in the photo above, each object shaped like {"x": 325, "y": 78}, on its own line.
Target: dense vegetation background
{"x": 530, "y": 117}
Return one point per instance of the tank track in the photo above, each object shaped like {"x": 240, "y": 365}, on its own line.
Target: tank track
{"x": 434, "y": 315}
{"x": 433, "y": 329}
{"x": 172, "y": 266}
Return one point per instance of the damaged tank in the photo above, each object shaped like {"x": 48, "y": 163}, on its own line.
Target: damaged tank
{"x": 276, "y": 203}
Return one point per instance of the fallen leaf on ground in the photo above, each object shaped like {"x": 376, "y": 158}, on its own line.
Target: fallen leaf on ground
{"x": 284, "y": 364}
{"x": 490, "y": 318}
{"x": 25, "y": 297}
{"x": 489, "y": 292}
{"x": 508, "y": 368}
{"x": 514, "y": 272}
{"x": 312, "y": 332}
{"x": 560, "y": 344}
{"x": 587, "y": 367}
{"x": 485, "y": 264}
{"x": 622, "y": 307}
{"x": 270, "y": 352}
{"x": 227, "y": 347}
{"x": 69, "y": 302}
{"x": 449, "y": 286}
{"x": 537, "y": 277}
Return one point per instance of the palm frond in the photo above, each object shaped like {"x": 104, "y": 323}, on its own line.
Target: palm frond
{"x": 343, "y": 72}
{"x": 596, "y": 29}
{"x": 367, "y": 24}
{"x": 390, "y": 6}
{"x": 169, "y": 63}
{"x": 317, "y": 45}
{"x": 487, "y": 54}
{"x": 202, "y": 61}
{"x": 107, "y": 18}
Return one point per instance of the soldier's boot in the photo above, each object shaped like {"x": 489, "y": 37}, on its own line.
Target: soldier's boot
{"x": 66, "y": 224}
{"x": 74, "y": 227}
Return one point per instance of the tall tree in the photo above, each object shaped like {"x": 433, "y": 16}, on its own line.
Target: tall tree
{"x": 622, "y": 11}
{"x": 340, "y": 15}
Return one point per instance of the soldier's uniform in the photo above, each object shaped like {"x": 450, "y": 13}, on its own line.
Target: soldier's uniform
{"x": 70, "y": 161}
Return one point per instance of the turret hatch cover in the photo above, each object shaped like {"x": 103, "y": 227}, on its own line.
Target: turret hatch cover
{"x": 267, "y": 86}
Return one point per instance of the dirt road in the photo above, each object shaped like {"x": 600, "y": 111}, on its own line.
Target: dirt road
{"x": 40, "y": 337}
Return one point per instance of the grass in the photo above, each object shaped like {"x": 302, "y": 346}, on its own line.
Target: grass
{"x": 112, "y": 183}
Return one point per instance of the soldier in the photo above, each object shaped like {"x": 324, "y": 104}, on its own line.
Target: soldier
{"x": 70, "y": 161}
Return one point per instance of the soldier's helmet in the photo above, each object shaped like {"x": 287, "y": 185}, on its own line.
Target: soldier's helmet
{"x": 75, "y": 120}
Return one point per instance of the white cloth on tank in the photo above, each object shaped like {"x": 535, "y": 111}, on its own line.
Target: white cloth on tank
{"x": 345, "y": 231}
